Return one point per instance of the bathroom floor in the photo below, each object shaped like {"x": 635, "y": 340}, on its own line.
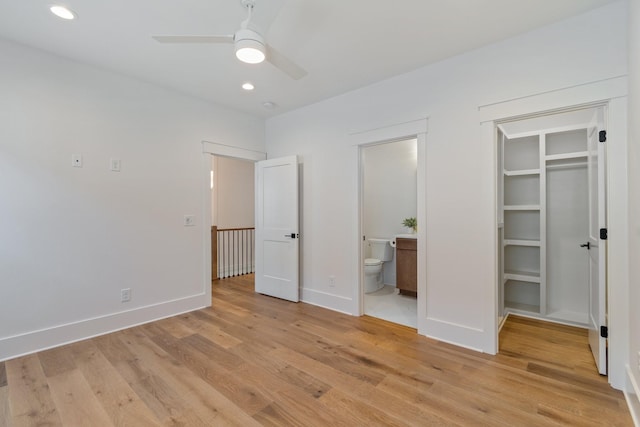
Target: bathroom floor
{"x": 387, "y": 304}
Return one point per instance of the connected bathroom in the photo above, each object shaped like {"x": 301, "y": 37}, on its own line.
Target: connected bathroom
{"x": 389, "y": 206}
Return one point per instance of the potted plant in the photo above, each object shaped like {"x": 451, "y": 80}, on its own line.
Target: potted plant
{"x": 411, "y": 223}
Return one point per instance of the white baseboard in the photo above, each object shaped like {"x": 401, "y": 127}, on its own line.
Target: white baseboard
{"x": 452, "y": 333}
{"x": 326, "y": 300}
{"x": 503, "y": 321}
{"x": 632, "y": 395}
{"x": 43, "y": 339}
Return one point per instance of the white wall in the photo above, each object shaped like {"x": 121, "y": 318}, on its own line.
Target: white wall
{"x": 71, "y": 238}
{"x": 634, "y": 203}
{"x": 459, "y": 168}
{"x": 233, "y": 193}
{"x": 389, "y": 193}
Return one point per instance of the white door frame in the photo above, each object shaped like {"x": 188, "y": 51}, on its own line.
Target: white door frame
{"x": 210, "y": 149}
{"x": 409, "y": 130}
{"x": 611, "y": 92}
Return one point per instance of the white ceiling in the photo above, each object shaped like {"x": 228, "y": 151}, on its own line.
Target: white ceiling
{"x": 343, "y": 44}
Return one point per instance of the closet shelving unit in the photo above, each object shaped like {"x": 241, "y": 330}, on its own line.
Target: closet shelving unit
{"x": 524, "y": 160}
{"x": 522, "y": 246}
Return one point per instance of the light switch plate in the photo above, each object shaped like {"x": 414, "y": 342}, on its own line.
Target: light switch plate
{"x": 189, "y": 220}
{"x": 115, "y": 165}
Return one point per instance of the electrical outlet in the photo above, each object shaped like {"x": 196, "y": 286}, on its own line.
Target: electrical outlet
{"x": 332, "y": 281}
{"x": 189, "y": 220}
{"x": 125, "y": 294}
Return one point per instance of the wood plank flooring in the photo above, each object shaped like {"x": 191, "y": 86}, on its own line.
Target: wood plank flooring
{"x": 252, "y": 360}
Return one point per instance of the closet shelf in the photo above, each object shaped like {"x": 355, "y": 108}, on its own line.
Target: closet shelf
{"x": 522, "y": 172}
{"x": 521, "y": 242}
{"x": 522, "y": 207}
{"x": 563, "y": 156}
{"x": 522, "y": 276}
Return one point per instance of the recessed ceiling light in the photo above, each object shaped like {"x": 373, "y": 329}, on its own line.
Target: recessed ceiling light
{"x": 248, "y": 86}
{"x": 62, "y": 12}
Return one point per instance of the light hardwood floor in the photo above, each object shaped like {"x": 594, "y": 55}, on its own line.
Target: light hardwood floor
{"x": 254, "y": 360}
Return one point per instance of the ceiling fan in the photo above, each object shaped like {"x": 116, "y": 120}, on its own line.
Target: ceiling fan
{"x": 249, "y": 45}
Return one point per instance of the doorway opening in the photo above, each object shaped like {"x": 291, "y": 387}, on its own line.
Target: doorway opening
{"x": 551, "y": 230}
{"x": 232, "y": 217}
{"x": 389, "y": 248}
{"x": 210, "y": 151}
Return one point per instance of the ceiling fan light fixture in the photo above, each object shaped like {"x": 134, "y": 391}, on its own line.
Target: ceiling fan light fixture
{"x": 249, "y": 46}
{"x": 250, "y": 51}
{"x": 62, "y": 12}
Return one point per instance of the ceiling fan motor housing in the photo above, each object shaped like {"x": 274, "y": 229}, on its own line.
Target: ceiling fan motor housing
{"x": 249, "y": 46}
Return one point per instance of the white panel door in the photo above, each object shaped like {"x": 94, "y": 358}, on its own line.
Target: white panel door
{"x": 597, "y": 246}
{"x": 277, "y": 228}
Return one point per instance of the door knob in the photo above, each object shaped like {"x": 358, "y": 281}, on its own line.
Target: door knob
{"x": 586, "y": 245}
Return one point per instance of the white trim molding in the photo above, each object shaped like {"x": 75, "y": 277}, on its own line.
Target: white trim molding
{"x": 473, "y": 338}
{"x": 547, "y": 102}
{"x": 326, "y": 300}
{"x": 632, "y": 395}
{"x": 389, "y": 133}
{"x": 231, "y": 151}
{"x": 43, "y": 339}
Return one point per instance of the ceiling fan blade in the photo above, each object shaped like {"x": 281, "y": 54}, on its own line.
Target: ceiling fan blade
{"x": 286, "y": 65}
{"x": 194, "y": 39}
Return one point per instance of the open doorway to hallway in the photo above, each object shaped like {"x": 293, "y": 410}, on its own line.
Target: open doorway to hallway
{"x": 232, "y": 217}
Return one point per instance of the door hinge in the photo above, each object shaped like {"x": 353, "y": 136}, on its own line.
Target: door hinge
{"x": 604, "y": 332}
{"x": 602, "y": 136}
{"x": 603, "y": 234}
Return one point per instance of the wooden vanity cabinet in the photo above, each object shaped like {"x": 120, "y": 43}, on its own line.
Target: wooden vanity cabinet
{"x": 407, "y": 266}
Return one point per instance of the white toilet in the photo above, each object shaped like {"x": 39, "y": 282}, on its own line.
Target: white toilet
{"x": 381, "y": 252}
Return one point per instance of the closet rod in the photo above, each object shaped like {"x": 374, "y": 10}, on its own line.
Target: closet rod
{"x": 568, "y": 166}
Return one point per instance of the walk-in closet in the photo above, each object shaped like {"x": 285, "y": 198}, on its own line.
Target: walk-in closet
{"x": 550, "y": 212}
